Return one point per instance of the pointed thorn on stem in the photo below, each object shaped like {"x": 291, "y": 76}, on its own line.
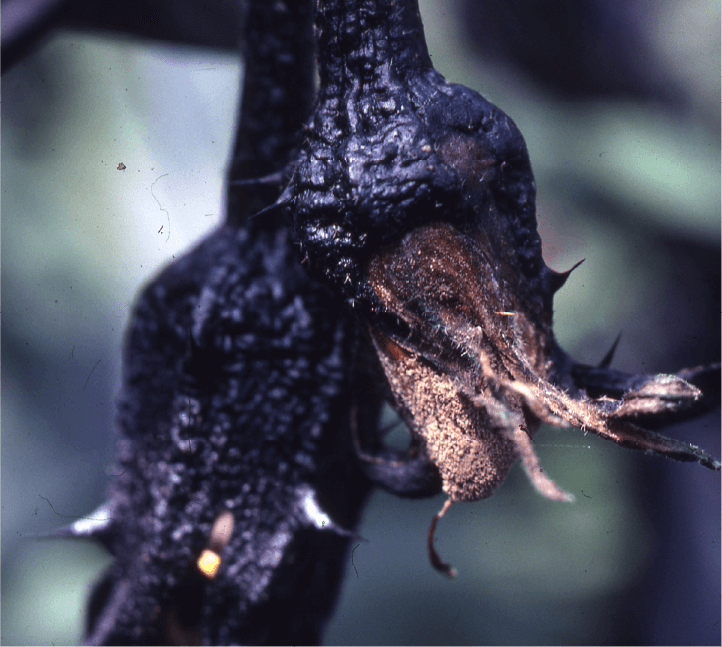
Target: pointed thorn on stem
{"x": 272, "y": 178}
{"x": 607, "y": 359}
{"x": 560, "y": 278}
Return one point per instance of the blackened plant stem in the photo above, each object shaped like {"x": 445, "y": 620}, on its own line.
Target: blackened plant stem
{"x": 278, "y": 93}
{"x": 359, "y": 39}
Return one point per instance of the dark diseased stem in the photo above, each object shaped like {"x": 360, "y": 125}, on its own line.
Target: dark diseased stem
{"x": 414, "y": 198}
{"x": 278, "y": 92}
{"x": 358, "y": 38}
{"x": 391, "y": 145}
{"x": 234, "y": 408}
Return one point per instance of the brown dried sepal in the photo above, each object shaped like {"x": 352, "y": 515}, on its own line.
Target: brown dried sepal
{"x": 477, "y": 369}
{"x": 467, "y": 444}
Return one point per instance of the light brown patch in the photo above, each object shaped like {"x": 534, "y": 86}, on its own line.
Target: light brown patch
{"x": 466, "y": 156}
{"x": 461, "y": 439}
{"x": 450, "y": 377}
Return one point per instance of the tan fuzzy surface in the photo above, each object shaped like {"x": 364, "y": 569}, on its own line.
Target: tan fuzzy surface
{"x": 472, "y": 457}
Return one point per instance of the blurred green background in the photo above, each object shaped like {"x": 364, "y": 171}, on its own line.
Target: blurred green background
{"x": 631, "y": 183}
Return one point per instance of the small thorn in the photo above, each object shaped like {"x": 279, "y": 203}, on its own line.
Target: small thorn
{"x": 98, "y": 525}
{"x": 504, "y": 313}
{"x": 560, "y": 278}
{"x": 272, "y": 178}
{"x": 436, "y": 561}
{"x": 607, "y": 359}
{"x": 270, "y": 207}
{"x": 283, "y": 201}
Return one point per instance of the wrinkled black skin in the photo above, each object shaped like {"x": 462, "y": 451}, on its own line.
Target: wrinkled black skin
{"x": 268, "y": 422}
{"x": 376, "y": 164}
{"x": 237, "y": 388}
{"x": 368, "y": 172}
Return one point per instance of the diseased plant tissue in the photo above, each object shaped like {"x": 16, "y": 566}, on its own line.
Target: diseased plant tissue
{"x": 409, "y": 208}
{"x": 415, "y": 197}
